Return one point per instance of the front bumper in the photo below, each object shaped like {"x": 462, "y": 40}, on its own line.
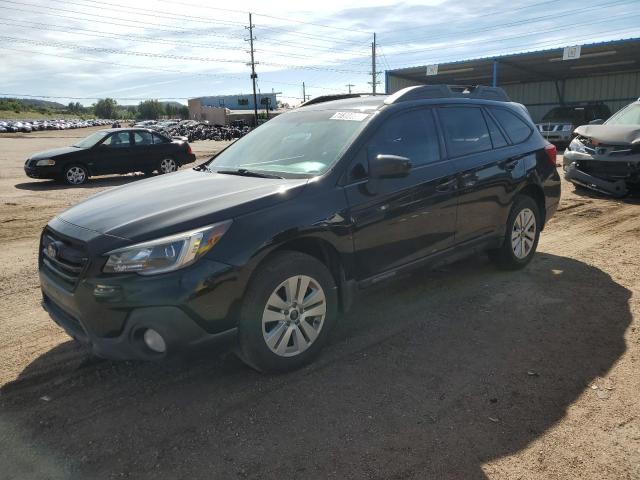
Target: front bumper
{"x": 558, "y": 138}
{"x": 601, "y": 173}
{"x": 110, "y": 314}
{"x": 40, "y": 172}
{"x": 616, "y": 188}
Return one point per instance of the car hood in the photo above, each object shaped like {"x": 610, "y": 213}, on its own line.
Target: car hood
{"x": 177, "y": 202}
{"x": 54, "y": 152}
{"x": 611, "y": 134}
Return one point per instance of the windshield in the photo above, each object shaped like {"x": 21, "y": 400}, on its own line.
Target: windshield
{"x": 629, "y": 115}
{"x": 306, "y": 143}
{"x": 91, "y": 140}
{"x": 573, "y": 114}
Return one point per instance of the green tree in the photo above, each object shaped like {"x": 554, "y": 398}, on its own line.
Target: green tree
{"x": 184, "y": 112}
{"x": 150, "y": 110}
{"x": 106, "y": 108}
{"x": 170, "y": 110}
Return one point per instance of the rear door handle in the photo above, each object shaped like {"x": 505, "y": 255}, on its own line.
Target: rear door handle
{"x": 509, "y": 166}
{"x": 446, "y": 185}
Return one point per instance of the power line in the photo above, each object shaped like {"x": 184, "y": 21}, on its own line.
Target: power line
{"x": 557, "y": 43}
{"x": 141, "y": 39}
{"x": 169, "y": 56}
{"x": 291, "y": 20}
{"x": 192, "y": 18}
{"x": 140, "y": 25}
{"x": 158, "y": 69}
{"x": 508, "y": 37}
{"x": 473, "y": 17}
{"x": 515, "y": 23}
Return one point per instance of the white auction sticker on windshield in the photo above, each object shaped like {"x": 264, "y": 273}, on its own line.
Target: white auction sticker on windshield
{"x": 353, "y": 116}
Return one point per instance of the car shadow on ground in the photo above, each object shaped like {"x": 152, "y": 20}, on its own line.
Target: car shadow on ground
{"x": 430, "y": 376}
{"x": 93, "y": 182}
{"x": 632, "y": 198}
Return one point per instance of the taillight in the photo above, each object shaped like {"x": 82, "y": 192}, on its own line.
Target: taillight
{"x": 190, "y": 152}
{"x": 552, "y": 153}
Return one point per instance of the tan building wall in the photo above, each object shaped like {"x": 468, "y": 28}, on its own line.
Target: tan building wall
{"x": 214, "y": 115}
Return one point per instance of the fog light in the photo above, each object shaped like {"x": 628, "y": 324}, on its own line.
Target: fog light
{"x": 154, "y": 341}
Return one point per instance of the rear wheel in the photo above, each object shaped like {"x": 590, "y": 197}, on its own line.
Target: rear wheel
{"x": 521, "y": 236}
{"x": 167, "y": 165}
{"x": 75, "y": 175}
{"x": 287, "y": 313}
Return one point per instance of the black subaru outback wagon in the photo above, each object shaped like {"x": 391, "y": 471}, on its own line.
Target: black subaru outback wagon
{"x": 274, "y": 236}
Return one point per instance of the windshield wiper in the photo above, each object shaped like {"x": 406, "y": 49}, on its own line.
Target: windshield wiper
{"x": 243, "y": 172}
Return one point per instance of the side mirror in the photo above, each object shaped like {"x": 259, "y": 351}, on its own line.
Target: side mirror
{"x": 389, "y": 166}
{"x": 597, "y": 121}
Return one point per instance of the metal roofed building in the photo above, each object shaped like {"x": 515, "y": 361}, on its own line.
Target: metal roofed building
{"x": 607, "y": 72}
{"x": 238, "y": 102}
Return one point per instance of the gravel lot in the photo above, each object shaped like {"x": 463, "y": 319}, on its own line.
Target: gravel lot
{"x": 462, "y": 373}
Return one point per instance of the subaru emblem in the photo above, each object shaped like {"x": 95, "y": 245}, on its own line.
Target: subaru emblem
{"x": 52, "y": 251}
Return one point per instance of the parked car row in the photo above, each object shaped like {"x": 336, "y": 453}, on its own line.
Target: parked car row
{"x": 193, "y": 130}
{"x": 15, "y": 126}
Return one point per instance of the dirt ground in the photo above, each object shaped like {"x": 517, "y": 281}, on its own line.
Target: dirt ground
{"x": 462, "y": 373}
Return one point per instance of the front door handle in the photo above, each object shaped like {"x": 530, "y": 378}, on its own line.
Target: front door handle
{"x": 446, "y": 185}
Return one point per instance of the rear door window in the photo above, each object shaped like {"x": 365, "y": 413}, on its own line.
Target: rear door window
{"x": 465, "y": 130}
{"x": 159, "y": 139}
{"x": 516, "y": 128}
{"x": 142, "y": 138}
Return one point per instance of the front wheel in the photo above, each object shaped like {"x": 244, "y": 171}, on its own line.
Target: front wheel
{"x": 521, "y": 237}
{"x": 75, "y": 175}
{"x": 168, "y": 165}
{"x": 288, "y": 311}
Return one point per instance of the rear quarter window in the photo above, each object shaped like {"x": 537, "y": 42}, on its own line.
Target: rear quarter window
{"x": 160, "y": 139}
{"x": 517, "y": 129}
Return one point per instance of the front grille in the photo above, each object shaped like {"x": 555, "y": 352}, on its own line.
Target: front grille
{"x": 66, "y": 321}
{"x": 546, "y": 127}
{"x": 63, "y": 257}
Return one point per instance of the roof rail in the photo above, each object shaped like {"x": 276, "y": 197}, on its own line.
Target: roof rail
{"x": 425, "y": 92}
{"x": 330, "y": 98}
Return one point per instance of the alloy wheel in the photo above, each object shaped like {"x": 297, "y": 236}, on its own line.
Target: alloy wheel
{"x": 523, "y": 233}
{"x": 294, "y": 316}
{"x": 168, "y": 165}
{"x": 76, "y": 175}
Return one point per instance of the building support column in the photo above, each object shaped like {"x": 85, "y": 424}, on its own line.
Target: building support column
{"x": 494, "y": 81}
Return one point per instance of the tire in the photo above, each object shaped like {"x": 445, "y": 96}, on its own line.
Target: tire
{"x": 520, "y": 243}
{"x": 75, "y": 174}
{"x": 167, "y": 165}
{"x": 275, "y": 334}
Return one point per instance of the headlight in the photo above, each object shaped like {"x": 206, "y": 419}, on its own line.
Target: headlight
{"x": 47, "y": 162}
{"x": 166, "y": 254}
{"x": 577, "y": 146}
{"x": 567, "y": 128}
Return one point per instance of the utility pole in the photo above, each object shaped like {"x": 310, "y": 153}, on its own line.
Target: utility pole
{"x": 254, "y": 75}
{"x": 349, "y": 85}
{"x": 374, "y": 74}
{"x": 305, "y": 97}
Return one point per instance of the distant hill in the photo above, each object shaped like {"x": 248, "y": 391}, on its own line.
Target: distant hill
{"x": 40, "y": 103}
{"x": 173, "y": 104}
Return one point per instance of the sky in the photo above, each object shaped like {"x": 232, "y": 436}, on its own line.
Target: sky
{"x": 82, "y": 50}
